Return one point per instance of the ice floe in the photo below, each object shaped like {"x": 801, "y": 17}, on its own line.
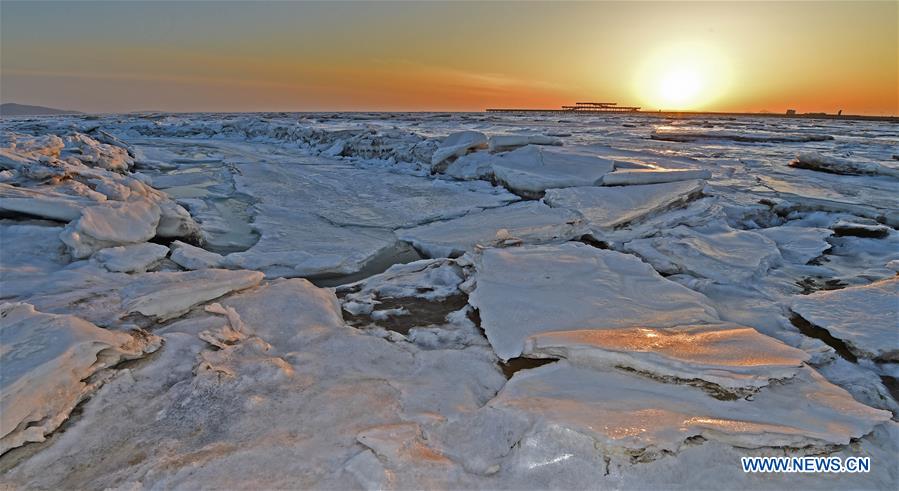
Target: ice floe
{"x": 131, "y": 258}
{"x": 625, "y": 177}
{"x": 501, "y": 143}
{"x": 799, "y": 244}
{"x": 863, "y": 317}
{"x": 529, "y": 223}
{"x": 730, "y": 356}
{"x": 110, "y": 225}
{"x": 167, "y": 295}
{"x": 528, "y": 290}
{"x": 51, "y": 363}
{"x": 725, "y": 255}
{"x": 192, "y": 257}
{"x": 533, "y": 169}
{"x": 631, "y": 414}
{"x": 457, "y": 145}
{"x": 610, "y": 207}
{"x": 837, "y": 165}
{"x": 746, "y": 136}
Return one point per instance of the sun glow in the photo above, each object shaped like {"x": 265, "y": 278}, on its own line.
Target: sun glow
{"x": 685, "y": 76}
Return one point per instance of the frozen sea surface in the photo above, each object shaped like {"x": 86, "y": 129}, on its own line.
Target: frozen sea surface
{"x": 455, "y": 300}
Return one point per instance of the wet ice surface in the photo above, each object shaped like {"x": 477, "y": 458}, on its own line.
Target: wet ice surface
{"x": 611, "y": 301}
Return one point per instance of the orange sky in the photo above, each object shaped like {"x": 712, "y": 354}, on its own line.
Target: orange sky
{"x": 246, "y": 56}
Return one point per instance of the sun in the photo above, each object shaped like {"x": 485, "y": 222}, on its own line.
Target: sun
{"x": 682, "y": 76}
{"x": 680, "y": 87}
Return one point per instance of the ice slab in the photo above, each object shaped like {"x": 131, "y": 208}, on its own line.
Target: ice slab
{"x": 529, "y": 223}
{"x": 457, "y": 145}
{"x": 533, "y": 289}
{"x": 192, "y": 257}
{"x": 344, "y": 217}
{"x": 746, "y": 136}
{"x": 477, "y": 165}
{"x": 836, "y": 165}
{"x": 728, "y": 355}
{"x": 28, "y": 252}
{"x": 626, "y": 177}
{"x": 134, "y": 258}
{"x": 532, "y": 169}
{"x": 500, "y": 143}
{"x": 628, "y": 413}
{"x": 295, "y": 243}
{"x": 799, "y": 244}
{"x": 42, "y": 202}
{"x": 330, "y": 386}
{"x": 50, "y": 363}
{"x": 727, "y": 256}
{"x": 110, "y": 224}
{"x": 864, "y": 317}
{"x": 611, "y": 207}
{"x": 167, "y": 295}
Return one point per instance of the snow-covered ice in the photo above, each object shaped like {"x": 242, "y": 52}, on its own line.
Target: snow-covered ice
{"x": 611, "y": 301}
{"x": 131, "y": 258}
{"x": 49, "y": 366}
{"x": 864, "y": 317}
{"x": 610, "y": 207}
{"x": 533, "y": 289}
{"x": 726, "y": 355}
{"x": 519, "y": 223}
{"x": 533, "y": 169}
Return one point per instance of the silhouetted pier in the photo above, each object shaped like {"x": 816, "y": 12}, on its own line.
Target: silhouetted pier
{"x": 579, "y": 107}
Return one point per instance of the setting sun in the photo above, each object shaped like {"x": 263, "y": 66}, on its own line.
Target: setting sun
{"x": 682, "y": 76}
{"x": 680, "y": 87}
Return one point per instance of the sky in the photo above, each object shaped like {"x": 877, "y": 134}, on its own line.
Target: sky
{"x": 450, "y": 56}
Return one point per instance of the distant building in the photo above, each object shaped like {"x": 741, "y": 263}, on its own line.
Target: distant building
{"x": 791, "y": 112}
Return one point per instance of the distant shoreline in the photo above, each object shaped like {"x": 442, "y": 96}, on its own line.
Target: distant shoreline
{"x": 701, "y": 114}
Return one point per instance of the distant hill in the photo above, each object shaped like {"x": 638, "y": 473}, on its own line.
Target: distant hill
{"x": 12, "y": 109}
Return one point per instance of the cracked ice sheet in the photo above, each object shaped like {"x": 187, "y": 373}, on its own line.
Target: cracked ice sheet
{"x": 325, "y": 217}
{"x": 285, "y": 407}
{"x": 609, "y": 207}
{"x": 533, "y": 289}
{"x": 104, "y": 298}
{"x": 727, "y": 355}
{"x": 530, "y": 222}
{"x": 48, "y": 364}
{"x": 722, "y": 254}
{"x": 533, "y": 169}
{"x": 628, "y": 413}
{"x": 864, "y": 317}
{"x": 28, "y": 252}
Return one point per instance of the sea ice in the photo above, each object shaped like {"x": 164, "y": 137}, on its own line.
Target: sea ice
{"x": 731, "y": 356}
{"x": 111, "y": 224}
{"x": 532, "y": 169}
{"x": 167, "y": 295}
{"x": 42, "y": 202}
{"x": 610, "y": 207}
{"x": 863, "y": 317}
{"x": 798, "y": 244}
{"x": 533, "y": 289}
{"x": 632, "y": 414}
{"x": 500, "y": 143}
{"x": 687, "y": 135}
{"x": 50, "y": 363}
{"x": 836, "y": 165}
{"x": 529, "y": 223}
{"x": 134, "y": 258}
{"x": 725, "y": 255}
{"x": 192, "y": 257}
{"x": 456, "y": 145}
{"x": 625, "y": 177}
